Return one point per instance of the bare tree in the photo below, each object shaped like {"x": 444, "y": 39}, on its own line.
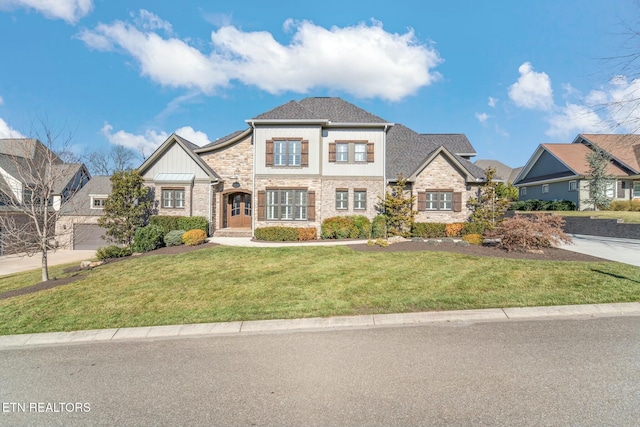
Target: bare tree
{"x": 35, "y": 183}
{"x": 106, "y": 162}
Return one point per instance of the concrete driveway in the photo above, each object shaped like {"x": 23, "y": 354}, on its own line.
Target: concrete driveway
{"x": 10, "y": 264}
{"x": 622, "y": 250}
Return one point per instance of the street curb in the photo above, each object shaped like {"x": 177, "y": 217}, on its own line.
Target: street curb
{"x": 316, "y": 323}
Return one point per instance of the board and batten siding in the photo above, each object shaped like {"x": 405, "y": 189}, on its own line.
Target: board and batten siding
{"x": 340, "y": 169}
{"x": 175, "y": 160}
{"x": 310, "y": 133}
{"x": 546, "y": 165}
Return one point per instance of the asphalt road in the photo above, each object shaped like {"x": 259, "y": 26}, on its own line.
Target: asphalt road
{"x": 578, "y": 371}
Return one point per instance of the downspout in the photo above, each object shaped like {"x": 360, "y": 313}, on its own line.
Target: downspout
{"x": 254, "y": 211}
{"x": 384, "y": 161}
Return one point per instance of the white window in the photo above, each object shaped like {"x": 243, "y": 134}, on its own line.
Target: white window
{"x": 545, "y": 188}
{"x": 523, "y": 191}
{"x": 342, "y": 199}
{"x": 360, "y": 199}
{"x": 98, "y": 202}
{"x": 286, "y": 153}
{"x": 342, "y": 152}
{"x": 286, "y": 205}
{"x": 360, "y": 152}
{"x": 573, "y": 185}
{"x": 609, "y": 190}
{"x": 439, "y": 200}
{"x": 172, "y": 198}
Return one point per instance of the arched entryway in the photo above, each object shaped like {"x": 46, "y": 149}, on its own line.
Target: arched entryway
{"x": 238, "y": 210}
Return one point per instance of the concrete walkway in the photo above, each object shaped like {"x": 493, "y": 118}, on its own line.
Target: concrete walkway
{"x": 626, "y": 251}
{"x": 10, "y": 264}
{"x": 318, "y": 323}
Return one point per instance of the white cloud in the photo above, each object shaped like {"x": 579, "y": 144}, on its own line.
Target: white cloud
{"x": 532, "y": 90}
{"x": 195, "y": 136}
{"x": 363, "y": 60}
{"x": 492, "y": 101}
{"x": 482, "y": 117}
{"x": 7, "y": 132}
{"x": 573, "y": 119}
{"x": 69, "y": 10}
{"x": 148, "y": 142}
{"x": 149, "y": 21}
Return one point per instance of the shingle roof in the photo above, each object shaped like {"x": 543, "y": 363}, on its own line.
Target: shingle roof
{"x": 408, "y": 150}
{"x": 456, "y": 143}
{"x": 80, "y": 203}
{"x": 625, "y": 148}
{"x": 503, "y": 172}
{"x": 223, "y": 139}
{"x": 65, "y": 174}
{"x": 575, "y": 157}
{"x": 321, "y": 108}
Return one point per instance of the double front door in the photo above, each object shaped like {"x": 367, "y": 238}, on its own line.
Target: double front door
{"x": 239, "y": 210}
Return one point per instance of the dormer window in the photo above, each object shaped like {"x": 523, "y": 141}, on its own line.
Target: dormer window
{"x": 98, "y": 202}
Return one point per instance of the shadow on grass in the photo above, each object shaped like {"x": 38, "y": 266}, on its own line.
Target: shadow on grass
{"x": 617, "y": 276}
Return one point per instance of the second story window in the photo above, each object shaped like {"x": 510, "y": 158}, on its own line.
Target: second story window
{"x": 287, "y": 152}
{"x": 342, "y": 152}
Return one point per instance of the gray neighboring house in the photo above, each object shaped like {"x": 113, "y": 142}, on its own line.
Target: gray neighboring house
{"x": 21, "y": 162}
{"x": 561, "y": 171}
{"x": 77, "y": 227}
{"x": 308, "y": 160}
{"x": 504, "y": 173}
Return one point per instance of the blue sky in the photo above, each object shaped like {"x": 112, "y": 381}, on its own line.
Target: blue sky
{"x": 508, "y": 74}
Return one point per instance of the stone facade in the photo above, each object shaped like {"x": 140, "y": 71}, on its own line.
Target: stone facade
{"x": 441, "y": 173}
{"x": 234, "y": 165}
{"x": 327, "y": 201}
{"x": 64, "y": 228}
{"x": 196, "y": 197}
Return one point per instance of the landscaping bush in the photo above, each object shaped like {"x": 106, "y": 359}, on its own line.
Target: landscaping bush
{"x": 429, "y": 229}
{"x": 306, "y": 233}
{"x": 194, "y": 237}
{"x": 562, "y": 205}
{"x": 277, "y": 234}
{"x": 379, "y": 227}
{"x": 193, "y": 223}
{"x": 625, "y": 205}
{"x": 544, "y": 205}
{"x": 173, "y": 238}
{"x": 535, "y": 231}
{"x": 168, "y": 223}
{"x": 339, "y": 227}
{"x": 364, "y": 226}
{"x": 474, "y": 239}
{"x": 113, "y": 251}
{"x": 473, "y": 228}
{"x": 454, "y": 229}
{"x": 148, "y": 238}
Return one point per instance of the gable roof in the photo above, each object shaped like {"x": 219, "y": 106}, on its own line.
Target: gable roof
{"x": 456, "y": 143}
{"x": 321, "y": 109}
{"x": 623, "y": 148}
{"x": 503, "y": 172}
{"x": 80, "y": 203}
{"x": 188, "y": 146}
{"x": 223, "y": 140}
{"x": 408, "y": 151}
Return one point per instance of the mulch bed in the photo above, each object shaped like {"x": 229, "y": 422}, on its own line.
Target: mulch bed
{"x": 550, "y": 254}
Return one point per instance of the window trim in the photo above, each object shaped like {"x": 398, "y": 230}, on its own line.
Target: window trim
{"x": 363, "y": 202}
{"x": 369, "y": 151}
{"x": 440, "y": 199}
{"x": 523, "y": 191}
{"x": 342, "y": 204}
{"x": 173, "y": 199}
{"x": 545, "y": 189}
{"x": 575, "y": 185}
{"x": 94, "y": 198}
{"x": 303, "y": 155}
{"x": 296, "y": 207}
{"x": 345, "y": 152}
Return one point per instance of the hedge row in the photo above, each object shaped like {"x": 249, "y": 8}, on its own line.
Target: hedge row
{"x": 353, "y": 227}
{"x": 544, "y": 205}
{"x": 170, "y": 223}
{"x": 625, "y": 205}
{"x": 285, "y": 234}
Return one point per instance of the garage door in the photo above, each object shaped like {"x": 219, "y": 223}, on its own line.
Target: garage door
{"x": 88, "y": 236}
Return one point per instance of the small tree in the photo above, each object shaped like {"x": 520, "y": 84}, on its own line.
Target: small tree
{"x": 37, "y": 183}
{"x": 127, "y": 208}
{"x": 491, "y": 204}
{"x": 599, "y": 180}
{"x": 397, "y": 208}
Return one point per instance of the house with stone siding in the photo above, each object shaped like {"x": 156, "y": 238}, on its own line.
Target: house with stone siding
{"x": 308, "y": 160}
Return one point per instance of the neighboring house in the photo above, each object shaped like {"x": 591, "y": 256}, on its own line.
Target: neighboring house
{"x": 561, "y": 171}
{"x": 504, "y": 173}
{"x": 309, "y": 160}
{"x": 26, "y": 165}
{"x": 77, "y": 227}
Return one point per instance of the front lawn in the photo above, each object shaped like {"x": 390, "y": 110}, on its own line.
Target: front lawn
{"x": 227, "y": 283}
{"x": 627, "y": 216}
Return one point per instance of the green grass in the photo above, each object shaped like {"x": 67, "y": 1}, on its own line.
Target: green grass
{"x": 226, "y": 284}
{"x": 627, "y": 216}
{"x": 20, "y": 280}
